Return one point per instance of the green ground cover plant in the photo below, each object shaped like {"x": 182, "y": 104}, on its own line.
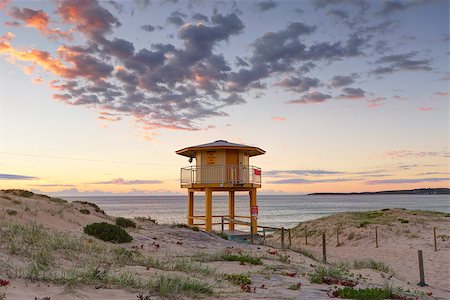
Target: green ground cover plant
{"x": 237, "y": 279}
{"x": 125, "y": 223}
{"x": 108, "y": 232}
{"x": 330, "y": 274}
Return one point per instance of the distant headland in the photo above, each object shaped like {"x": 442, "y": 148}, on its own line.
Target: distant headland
{"x": 429, "y": 191}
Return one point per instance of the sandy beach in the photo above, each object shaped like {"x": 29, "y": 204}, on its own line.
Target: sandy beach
{"x": 45, "y": 253}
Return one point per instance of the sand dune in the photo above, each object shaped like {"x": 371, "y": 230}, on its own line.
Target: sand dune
{"x": 45, "y": 253}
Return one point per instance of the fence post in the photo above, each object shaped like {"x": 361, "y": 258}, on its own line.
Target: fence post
{"x": 421, "y": 271}
{"x": 251, "y": 232}
{"x": 222, "y": 224}
{"x": 264, "y": 236}
{"x": 306, "y": 236}
{"x": 289, "y": 236}
{"x": 376, "y": 236}
{"x": 337, "y": 236}
{"x": 324, "y": 247}
{"x": 435, "y": 242}
{"x": 282, "y": 237}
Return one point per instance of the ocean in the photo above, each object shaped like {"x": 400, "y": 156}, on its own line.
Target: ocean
{"x": 274, "y": 210}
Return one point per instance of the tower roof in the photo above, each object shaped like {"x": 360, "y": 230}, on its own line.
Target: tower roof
{"x": 217, "y": 145}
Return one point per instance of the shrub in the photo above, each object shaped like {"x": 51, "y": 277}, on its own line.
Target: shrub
{"x": 242, "y": 258}
{"x": 147, "y": 219}
{"x": 295, "y": 286}
{"x": 324, "y": 272}
{"x": 20, "y": 193}
{"x": 172, "y": 285}
{"x": 362, "y": 294}
{"x": 85, "y": 211}
{"x": 57, "y": 200}
{"x": 124, "y": 222}
{"x": 364, "y": 224}
{"x": 403, "y": 221}
{"x": 108, "y": 232}
{"x": 11, "y": 212}
{"x": 283, "y": 258}
{"x": 237, "y": 279}
{"x": 93, "y": 205}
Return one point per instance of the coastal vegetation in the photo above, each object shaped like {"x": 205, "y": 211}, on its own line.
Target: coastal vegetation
{"x": 125, "y": 223}
{"x": 238, "y": 279}
{"x": 108, "y": 232}
{"x": 173, "y": 261}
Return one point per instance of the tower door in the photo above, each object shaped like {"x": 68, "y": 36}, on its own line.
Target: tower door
{"x": 232, "y": 166}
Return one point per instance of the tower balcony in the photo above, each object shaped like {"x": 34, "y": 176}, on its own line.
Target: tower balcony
{"x": 221, "y": 176}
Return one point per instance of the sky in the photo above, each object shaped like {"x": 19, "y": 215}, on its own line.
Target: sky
{"x": 343, "y": 95}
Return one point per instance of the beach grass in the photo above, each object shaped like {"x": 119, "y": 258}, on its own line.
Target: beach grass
{"x": 91, "y": 262}
{"x": 365, "y": 264}
{"x": 328, "y": 271}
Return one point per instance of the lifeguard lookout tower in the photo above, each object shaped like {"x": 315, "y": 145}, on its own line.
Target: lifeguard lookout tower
{"x": 221, "y": 166}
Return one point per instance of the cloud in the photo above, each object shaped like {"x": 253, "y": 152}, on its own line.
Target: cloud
{"x": 442, "y": 94}
{"x": 389, "y": 7}
{"x": 425, "y": 108}
{"x": 200, "y": 17}
{"x": 106, "y": 116}
{"x": 312, "y": 97}
{"x": 342, "y": 80}
{"x": 117, "y": 6}
{"x": 148, "y": 28}
{"x": 410, "y": 153}
{"x": 263, "y": 6}
{"x": 121, "y": 181}
{"x": 434, "y": 173}
{"x": 16, "y": 177}
{"x": 178, "y": 85}
{"x": 176, "y": 18}
{"x": 299, "y": 84}
{"x": 280, "y": 119}
{"x": 401, "y": 62}
{"x": 307, "y": 172}
{"x": 73, "y": 192}
{"x": 352, "y": 93}
{"x": 319, "y": 4}
{"x": 4, "y": 3}
{"x": 308, "y": 181}
{"x": 88, "y": 16}
{"x": 53, "y": 185}
{"x": 376, "y": 102}
{"x": 413, "y": 180}
{"x": 37, "y": 19}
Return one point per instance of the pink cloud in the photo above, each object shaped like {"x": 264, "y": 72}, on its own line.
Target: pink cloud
{"x": 425, "y": 108}
{"x": 36, "y": 19}
{"x": 4, "y": 3}
{"x": 376, "y": 102}
{"x": 38, "y": 80}
{"x": 279, "y": 119}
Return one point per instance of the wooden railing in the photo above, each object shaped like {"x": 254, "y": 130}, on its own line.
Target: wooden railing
{"x": 263, "y": 230}
{"x": 220, "y": 174}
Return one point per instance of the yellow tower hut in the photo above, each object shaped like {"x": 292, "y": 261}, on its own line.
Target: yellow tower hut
{"x": 221, "y": 166}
